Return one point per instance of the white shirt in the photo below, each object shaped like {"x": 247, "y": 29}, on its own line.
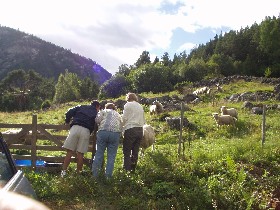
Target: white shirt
{"x": 133, "y": 115}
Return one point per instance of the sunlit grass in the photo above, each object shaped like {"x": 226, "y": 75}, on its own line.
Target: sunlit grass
{"x": 229, "y": 167}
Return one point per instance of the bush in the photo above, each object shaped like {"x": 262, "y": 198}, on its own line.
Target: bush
{"x": 45, "y": 105}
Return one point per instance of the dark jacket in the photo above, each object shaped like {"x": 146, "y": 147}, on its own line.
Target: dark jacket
{"x": 83, "y": 115}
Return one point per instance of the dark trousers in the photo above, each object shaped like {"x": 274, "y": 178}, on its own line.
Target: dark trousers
{"x": 131, "y": 144}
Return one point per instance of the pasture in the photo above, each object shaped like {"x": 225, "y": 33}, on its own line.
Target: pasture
{"x": 218, "y": 168}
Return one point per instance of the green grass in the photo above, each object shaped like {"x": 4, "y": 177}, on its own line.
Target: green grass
{"x": 225, "y": 168}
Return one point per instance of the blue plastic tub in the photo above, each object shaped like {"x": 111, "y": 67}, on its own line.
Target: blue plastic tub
{"x": 39, "y": 163}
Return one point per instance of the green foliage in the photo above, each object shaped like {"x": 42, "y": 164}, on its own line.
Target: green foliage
{"x": 25, "y": 90}
{"x": 7, "y": 102}
{"x": 67, "y": 88}
{"x": 267, "y": 72}
{"x": 269, "y": 38}
{"x": 143, "y": 59}
{"x": 114, "y": 87}
{"x": 143, "y": 79}
{"x": 195, "y": 70}
{"x": 46, "y": 104}
{"x": 124, "y": 70}
{"x": 88, "y": 89}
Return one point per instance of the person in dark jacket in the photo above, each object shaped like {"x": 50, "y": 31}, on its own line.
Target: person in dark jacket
{"x": 81, "y": 119}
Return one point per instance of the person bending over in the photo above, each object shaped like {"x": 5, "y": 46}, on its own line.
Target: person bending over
{"x": 108, "y": 137}
{"x": 81, "y": 119}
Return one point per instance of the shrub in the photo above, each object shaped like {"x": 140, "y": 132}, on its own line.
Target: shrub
{"x": 46, "y": 104}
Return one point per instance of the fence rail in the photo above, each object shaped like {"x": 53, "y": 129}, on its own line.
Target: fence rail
{"x": 26, "y": 137}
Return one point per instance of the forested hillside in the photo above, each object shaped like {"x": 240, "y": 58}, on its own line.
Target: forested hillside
{"x": 19, "y": 50}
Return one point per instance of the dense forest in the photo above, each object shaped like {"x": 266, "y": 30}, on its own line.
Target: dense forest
{"x": 252, "y": 51}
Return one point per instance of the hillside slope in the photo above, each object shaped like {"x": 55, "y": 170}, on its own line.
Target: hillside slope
{"x": 228, "y": 167}
{"x": 19, "y": 50}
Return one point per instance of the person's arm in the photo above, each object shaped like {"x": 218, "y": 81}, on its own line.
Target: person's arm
{"x": 99, "y": 117}
{"x": 126, "y": 113}
{"x": 120, "y": 121}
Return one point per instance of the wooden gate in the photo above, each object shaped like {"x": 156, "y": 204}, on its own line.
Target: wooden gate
{"x": 29, "y": 137}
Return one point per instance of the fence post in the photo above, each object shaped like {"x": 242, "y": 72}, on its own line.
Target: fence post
{"x": 34, "y": 141}
{"x": 263, "y": 124}
{"x": 181, "y": 128}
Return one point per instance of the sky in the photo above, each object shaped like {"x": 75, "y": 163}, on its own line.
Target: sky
{"x": 116, "y": 32}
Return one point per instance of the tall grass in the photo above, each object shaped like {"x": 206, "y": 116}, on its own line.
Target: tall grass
{"x": 225, "y": 168}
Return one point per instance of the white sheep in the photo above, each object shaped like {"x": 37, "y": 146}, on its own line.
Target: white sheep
{"x": 209, "y": 91}
{"x": 148, "y": 139}
{"x": 196, "y": 101}
{"x": 229, "y": 111}
{"x": 201, "y": 90}
{"x": 156, "y": 108}
{"x": 224, "y": 119}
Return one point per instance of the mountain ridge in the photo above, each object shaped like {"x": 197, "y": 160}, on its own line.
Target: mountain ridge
{"x": 19, "y": 50}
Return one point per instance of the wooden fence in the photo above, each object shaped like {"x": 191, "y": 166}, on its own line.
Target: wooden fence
{"x": 22, "y": 137}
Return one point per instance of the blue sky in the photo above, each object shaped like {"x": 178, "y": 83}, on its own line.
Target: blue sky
{"x": 116, "y": 32}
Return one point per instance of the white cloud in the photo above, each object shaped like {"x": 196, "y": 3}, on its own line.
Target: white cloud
{"x": 115, "y": 32}
{"x": 186, "y": 46}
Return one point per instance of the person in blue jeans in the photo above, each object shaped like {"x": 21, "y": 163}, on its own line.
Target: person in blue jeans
{"x": 109, "y": 123}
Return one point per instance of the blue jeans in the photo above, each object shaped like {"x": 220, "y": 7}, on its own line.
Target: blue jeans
{"x": 110, "y": 141}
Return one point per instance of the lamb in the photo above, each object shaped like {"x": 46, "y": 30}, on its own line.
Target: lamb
{"x": 156, "y": 108}
{"x": 229, "y": 111}
{"x": 148, "y": 138}
{"x": 224, "y": 119}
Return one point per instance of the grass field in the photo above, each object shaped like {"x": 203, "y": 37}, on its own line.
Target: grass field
{"x": 226, "y": 168}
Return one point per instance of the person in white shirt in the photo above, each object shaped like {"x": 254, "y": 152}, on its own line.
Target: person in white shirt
{"x": 133, "y": 120}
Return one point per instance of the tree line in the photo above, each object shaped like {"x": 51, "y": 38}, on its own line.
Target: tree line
{"x": 28, "y": 90}
{"x": 252, "y": 51}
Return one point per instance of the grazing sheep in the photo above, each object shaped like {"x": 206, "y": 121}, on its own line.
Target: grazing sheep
{"x": 229, "y": 111}
{"x": 156, "y": 108}
{"x": 224, "y": 119}
{"x": 196, "y": 101}
{"x": 148, "y": 138}
{"x": 209, "y": 91}
{"x": 201, "y": 90}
